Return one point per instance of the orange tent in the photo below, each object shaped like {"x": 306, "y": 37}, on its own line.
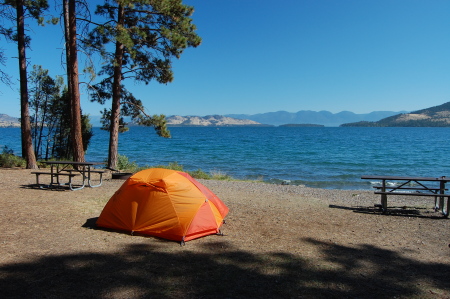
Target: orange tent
{"x": 164, "y": 203}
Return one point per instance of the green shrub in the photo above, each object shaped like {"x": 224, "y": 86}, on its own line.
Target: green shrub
{"x": 8, "y": 159}
{"x": 124, "y": 164}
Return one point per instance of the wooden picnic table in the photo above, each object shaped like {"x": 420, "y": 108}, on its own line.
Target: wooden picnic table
{"x": 413, "y": 186}
{"x": 71, "y": 169}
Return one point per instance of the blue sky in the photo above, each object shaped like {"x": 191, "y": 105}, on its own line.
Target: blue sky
{"x": 265, "y": 56}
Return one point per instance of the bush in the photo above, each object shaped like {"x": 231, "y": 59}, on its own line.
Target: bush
{"x": 8, "y": 159}
{"x": 123, "y": 163}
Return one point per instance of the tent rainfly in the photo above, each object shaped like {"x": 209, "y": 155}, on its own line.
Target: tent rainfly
{"x": 164, "y": 203}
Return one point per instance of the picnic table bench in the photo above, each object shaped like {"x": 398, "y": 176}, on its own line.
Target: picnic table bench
{"x": 413, "y": 186}
{"x": 70, "y": 169}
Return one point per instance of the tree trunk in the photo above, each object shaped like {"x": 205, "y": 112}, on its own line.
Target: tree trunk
{"x": 115, "y": 109}
{"x": 66, "y": 147}
{"x": 76, "y": 135}
{"x": 27, "y": 142}
{"x": 69, "y": 146}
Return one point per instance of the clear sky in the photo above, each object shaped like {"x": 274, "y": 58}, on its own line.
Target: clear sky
{"x": 265, "y": 56}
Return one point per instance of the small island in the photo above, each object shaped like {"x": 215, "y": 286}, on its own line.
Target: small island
{"x": 301, "y": 125}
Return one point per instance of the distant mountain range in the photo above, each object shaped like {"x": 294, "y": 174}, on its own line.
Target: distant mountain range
{"x": 325, "y": 118}
{"x": 208, "y": 121}
{"x": 304, "y": 117}
{"x": 437, "y": 116}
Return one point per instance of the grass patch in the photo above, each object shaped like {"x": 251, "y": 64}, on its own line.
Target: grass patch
{"x": 171, "y": 165}
{"x": 221, "y": 176}
{"x": 200, "y": 174}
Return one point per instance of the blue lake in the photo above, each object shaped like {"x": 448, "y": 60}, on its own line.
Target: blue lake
{"x": 329, "y": 157}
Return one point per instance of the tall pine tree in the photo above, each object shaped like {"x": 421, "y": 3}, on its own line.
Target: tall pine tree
{"x": 146, "y": 35}
{"x": 35, "y": 9}
{"x": 70, "y": 24}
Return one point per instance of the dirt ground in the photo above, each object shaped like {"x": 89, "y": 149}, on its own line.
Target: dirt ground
{"x": 279, "y": 242}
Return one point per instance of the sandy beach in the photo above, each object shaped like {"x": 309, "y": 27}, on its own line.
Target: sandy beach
{"x": 280, "y": 241}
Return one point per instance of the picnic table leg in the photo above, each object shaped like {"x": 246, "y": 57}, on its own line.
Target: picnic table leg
{"x": 448, "y": 207}
{"x": 89, "y": 178}
{"x": 384, "y": 202}
{"x": 72, "y": 187}
{"x": 37, "y": 181}
{"x": 384, "y": 197}
{"x": 83, "y": 184}
{"x": 52, "y": 175}
{"x": 439, "y": 204}
{"x": 83, "y": 174}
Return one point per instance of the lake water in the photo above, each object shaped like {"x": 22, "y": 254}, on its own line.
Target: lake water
{"x": 329, "y": 157}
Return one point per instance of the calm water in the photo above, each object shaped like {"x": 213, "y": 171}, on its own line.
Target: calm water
{"x": 332, "y": 158}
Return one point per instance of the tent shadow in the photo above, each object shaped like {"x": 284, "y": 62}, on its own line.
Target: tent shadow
{"x": 91, "y": 224}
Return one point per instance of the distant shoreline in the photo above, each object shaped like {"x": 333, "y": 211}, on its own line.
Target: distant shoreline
{"x": 303, "y": 125}
{"x": 9, "y": 125}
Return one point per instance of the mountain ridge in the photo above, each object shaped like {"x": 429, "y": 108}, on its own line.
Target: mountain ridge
{"x": 208, "y": 121}
{"x": 323, "y": 117}
{"x": 308, "y": 117}
{"x": 436, "y": 116}
{"x": 7, "y": 121}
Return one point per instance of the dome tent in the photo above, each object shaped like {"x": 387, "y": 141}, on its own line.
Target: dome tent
{"x": 164, "y": 203}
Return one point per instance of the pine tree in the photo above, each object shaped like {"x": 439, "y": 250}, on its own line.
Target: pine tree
{"x": 7, "y": 33}
{"x": 73, "y": 81}
{"x": 49, "y": 109}
{"x": 35, "y": 9}
{"x": 146, "y": 36}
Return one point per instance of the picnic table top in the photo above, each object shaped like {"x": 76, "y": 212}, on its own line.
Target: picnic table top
{"x": 404, "y": 178}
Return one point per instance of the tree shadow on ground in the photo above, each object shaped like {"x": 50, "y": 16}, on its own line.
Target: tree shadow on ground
{"x": 221, "y": 271}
